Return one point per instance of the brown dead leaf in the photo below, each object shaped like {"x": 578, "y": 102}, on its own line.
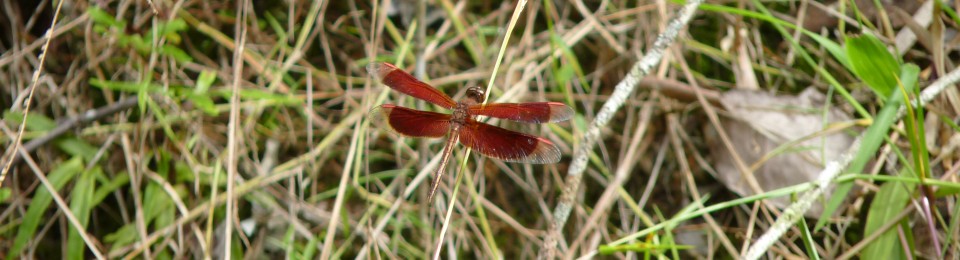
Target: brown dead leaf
{"x": 758, "y": 124}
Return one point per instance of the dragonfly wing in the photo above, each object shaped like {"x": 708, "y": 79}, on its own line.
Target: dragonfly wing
{"x": 411, "y": 122}
{"x": 401, "y": 81}
{"x": 508, "y": 145}
{"x": 535, "y": 112}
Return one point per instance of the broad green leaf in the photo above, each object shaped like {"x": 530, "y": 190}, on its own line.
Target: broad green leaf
{"x": 890, "y": 201}
{"x": 832, "y": 47}
{"x": 124, "y": 86}
{"x": 136, "y": 42}
{"x": 256, "y": 94}
{"x": 204, "y": 103}
{"x": 35, "y": 122}
{"x": 77, "y": 147}
{"x": 563, "y": 74}
{"x": 185, "y": 173}
{"x": 872, "y": 138}
{"x": 155, "y": 202}
{"x": 41, "y": 201}
{"x": 163, "y": 163}
{"x": 178, "y": 54}
{"x": 103, "y": 18}
{"x": 654, "y": 249}
{"x": 124, "y": 236}
{"x": 946, "y": 192}
{"x": 107, "y": 188}
{"x": 5, "y": 194}
{"x": 204, "y": 81}
{"x": 260, "y": 95}
{"x": 872, "y": 63}
{"x": 171, "y": 30}
{"x": 310, "y": 250}
{"x": 164, "y": 255}
{"x": 237, "y": 247}
{"x": 81, "y": 204}
{"x": 289, "y": 241}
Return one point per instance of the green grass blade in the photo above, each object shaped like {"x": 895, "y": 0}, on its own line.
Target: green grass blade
{"x": 5, "y": 194}
{"x": 890, "y": 200}
{"x": 204, "y": 81}
{"x": 82, "y": 204}
{"x": 108, "y": 186}
{"x": 871, "y": 141}
{"x": 35, "y": 122}
{"x": 809, "y": 243}
{"x": 78, "y": 147}
{"x": 41, "y": 201}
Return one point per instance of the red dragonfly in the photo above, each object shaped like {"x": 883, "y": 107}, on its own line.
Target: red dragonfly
{"x": 463, "y": 126}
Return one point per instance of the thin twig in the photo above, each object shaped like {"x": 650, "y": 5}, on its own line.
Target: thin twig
{"x": 619, "y": 96}
{"x": 832, "y": 170}
{"x": 63, "y": 127}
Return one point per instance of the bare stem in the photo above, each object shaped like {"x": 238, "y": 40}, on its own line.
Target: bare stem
{"x": 617, "y": 99}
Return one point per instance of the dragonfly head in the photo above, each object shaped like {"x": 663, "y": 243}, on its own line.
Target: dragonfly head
{"x": 475, "y": 94}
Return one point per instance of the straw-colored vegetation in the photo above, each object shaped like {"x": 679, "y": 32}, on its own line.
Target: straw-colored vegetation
{"x": 240, "y": 129}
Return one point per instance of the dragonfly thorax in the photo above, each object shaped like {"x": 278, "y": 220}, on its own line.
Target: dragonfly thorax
{"x": 460, "y": 113}
{"x": 474, "y": 96}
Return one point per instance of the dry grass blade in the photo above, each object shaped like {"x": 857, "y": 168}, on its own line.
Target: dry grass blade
{"x": 232, "y": 126}
{"x": 493, "y": 76}
{"x": 608, "y": 198}
{"x": 28, "y": 101}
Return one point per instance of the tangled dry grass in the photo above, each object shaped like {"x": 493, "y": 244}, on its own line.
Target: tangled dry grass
{"x": 229, "y": 129}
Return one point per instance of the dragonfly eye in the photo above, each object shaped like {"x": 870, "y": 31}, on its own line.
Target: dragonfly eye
{"x": 475, "y": 93}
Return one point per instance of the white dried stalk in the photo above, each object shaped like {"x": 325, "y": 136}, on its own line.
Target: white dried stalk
{"x": 619, "y": 96}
